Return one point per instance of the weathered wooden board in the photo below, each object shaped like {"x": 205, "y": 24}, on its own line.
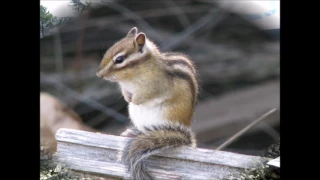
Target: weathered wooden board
{"x": 275, "y": 162}
{"x": 96, "y": 153}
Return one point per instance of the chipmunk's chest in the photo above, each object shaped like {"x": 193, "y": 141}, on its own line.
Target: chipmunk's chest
{"x": 147, "y": 115}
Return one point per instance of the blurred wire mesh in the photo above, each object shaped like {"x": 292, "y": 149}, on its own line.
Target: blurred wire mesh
{"x": 231, "y": 54}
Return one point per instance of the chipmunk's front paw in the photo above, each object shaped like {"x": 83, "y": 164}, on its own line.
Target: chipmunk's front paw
{"x": 135, "y": 100}
{"x": 128, "y": 98}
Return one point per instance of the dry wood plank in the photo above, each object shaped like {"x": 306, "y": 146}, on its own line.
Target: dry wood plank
{"x": 96, "y": 153}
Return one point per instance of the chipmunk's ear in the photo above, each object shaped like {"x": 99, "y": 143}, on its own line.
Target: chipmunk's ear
{"x": 141, "y": 39}
{"x": 132, "y": 32}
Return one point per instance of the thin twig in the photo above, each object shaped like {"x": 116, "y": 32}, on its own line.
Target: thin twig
{"x": 105, "y": 21}
{"x": 267, "y": 128}
{"x": 135, "y": 17}
{"x": 94, "y": 104}
{"x": 79, "y": 61}
{"x": 212, "y": 18}
{"x": 58, "y": 57}
{"x": 177, "y": 10}
{"x": 244, "y": 130}
{"x": 95, "y": 121}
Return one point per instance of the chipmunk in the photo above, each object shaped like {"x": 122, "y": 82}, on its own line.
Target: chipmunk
{"x": 161, "y": 90}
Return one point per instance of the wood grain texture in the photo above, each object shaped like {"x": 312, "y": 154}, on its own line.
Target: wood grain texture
{"x": 96, "y": 154}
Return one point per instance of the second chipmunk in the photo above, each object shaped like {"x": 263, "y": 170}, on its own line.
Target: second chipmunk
{"x": 161, "y": 89}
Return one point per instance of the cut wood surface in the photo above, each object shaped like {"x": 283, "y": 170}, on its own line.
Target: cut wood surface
{"x": 228, "y": 114}
{"x": 95, "y": 153}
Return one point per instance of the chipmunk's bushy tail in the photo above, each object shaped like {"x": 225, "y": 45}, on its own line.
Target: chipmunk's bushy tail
{"x": 151, "y": 142}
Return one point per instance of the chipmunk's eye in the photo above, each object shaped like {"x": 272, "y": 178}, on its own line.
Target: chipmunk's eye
{"x": 119, "y": 59}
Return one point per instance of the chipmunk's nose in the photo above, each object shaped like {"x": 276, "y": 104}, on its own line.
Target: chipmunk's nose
{"x": 99, "y": 74}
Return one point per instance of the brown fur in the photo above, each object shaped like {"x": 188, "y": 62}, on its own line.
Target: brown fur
{"x": 127, "y": 96}
{"x": 154, "y": 74}
{"x": 126, "y": 44}
{"x": 171, "y": 59}
{"x": 136, "y": 62}
{"x": 180, "y": 106}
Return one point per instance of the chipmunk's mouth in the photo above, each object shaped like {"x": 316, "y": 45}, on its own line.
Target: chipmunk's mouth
{"x": 110, "y": 77}
{"x": 106, "y": 76}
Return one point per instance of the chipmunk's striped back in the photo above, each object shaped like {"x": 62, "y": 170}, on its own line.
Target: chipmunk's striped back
{"x": 179, "y": 65}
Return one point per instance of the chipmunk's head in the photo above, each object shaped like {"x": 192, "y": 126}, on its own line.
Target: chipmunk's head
{"x": 122, "y": 60}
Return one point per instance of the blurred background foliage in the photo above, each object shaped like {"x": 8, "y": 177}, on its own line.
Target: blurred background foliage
{"x": 238, "y": 64}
